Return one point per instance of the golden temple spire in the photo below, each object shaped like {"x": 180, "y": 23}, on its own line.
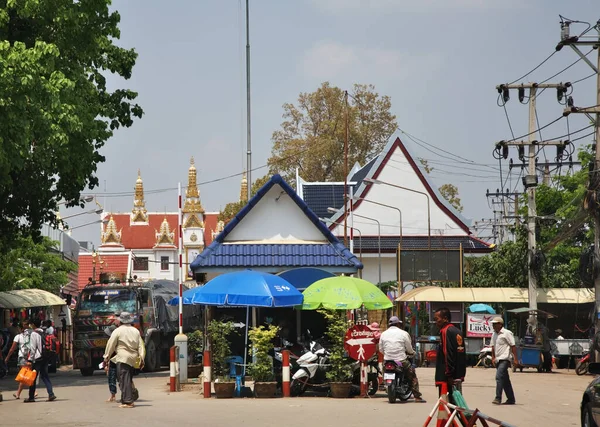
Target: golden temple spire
{"x": 110, "y": 235}
{"x": 244, "y": 189}
{"x": 192, "y": 204}
{"x": 139, "y": 211}
{"x": 165, "y": 236}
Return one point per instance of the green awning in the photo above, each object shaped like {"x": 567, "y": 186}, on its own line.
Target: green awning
{"x": 27, "y": 298}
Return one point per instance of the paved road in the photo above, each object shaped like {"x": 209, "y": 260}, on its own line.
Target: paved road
{"x": 542, "y": 400}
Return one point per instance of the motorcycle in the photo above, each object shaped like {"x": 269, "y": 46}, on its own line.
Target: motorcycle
{"x": 485, "y": 357}
{"x": 277, "y": 356}
{"x": 583, "y": 364}
{"x": 396, "y": 382}
{"x": 311, "y": 369}
{"x": 373, "y": 374}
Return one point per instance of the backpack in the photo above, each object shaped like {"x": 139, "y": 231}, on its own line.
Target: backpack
{"x": 49, "y": 345}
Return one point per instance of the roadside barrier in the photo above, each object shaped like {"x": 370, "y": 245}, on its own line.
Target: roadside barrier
{"x": 174, "y": 369}
{"x": 285, "y": 373}
{"x": 207, "y": 374}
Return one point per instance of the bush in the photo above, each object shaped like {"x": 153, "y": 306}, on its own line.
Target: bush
{"x": 218, "y": 333}
{"x": 195, "y": 345}
{"x": 261, "y": 340}
{"x": 337, "y": 325}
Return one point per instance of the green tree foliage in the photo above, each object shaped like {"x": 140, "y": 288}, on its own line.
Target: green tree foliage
{"x": 448, "y": 191}
{"x": 34, "y": 265}
{"x": 337, "y": 325}
{"x": 564, "y": 234}
{"x": 231, "y": 209}
{"x": 312, "y": 134}
{"x": 261, "y": 340}
{"x": 56, "y": 111}
{"x": 218, "y": 333}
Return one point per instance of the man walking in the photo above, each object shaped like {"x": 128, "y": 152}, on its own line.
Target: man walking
{"x": 503, "y": 345}
{"x": 451, "y": 361}
{"x": 395, "y": 345}
{"x": 36, "y": 360}
{"x": 129, "y": 346}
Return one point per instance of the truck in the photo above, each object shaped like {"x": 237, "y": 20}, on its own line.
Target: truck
{"x": 99, "y": 306}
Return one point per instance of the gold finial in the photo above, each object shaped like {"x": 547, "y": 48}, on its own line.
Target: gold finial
{"x": 192, "y": 197}
{"x": 244, "y": 189}
{"x": 110, "y": 235}
{"x": 165, "y": 236}
{"x": 139, "y": 204}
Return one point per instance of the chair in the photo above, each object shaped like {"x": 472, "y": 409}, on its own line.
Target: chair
{"x": 235, "y": 366}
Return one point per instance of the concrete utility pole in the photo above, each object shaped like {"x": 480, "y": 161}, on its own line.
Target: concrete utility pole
{"x": 573, "y": 42}
{"x": 530, "y": 181}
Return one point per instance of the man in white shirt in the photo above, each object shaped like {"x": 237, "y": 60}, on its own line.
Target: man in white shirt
{"x": 395, "y": 345}
{"x": 503, "y": 345}
{"x": 129, "y": 345}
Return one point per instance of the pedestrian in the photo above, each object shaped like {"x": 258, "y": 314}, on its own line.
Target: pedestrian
{"x": 376, "y": 330}
{"x": 451, "y": 360}
{"x": 19, "y": 345}
{"x": 37, "y": 360}
{"x": 49, "y": 329}
{"x": 111, "y": 370}
{"x": 503, "y": 346}
{"x": 559, "y": 334}
{"x": 129, "y": 346}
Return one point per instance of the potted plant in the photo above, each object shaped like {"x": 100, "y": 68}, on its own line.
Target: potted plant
{"x": 218, "y": 333}
{"x": 195, "y": 349}
{"x": 261, "y": 370}
{"x": 339, "y": 373}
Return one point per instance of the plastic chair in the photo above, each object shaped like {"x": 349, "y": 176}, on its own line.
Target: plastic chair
{"x": 236, "y": 362}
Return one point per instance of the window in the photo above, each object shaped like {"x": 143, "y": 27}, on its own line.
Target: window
{"x": 140, "y": 264}
{"x": 164, "y": 263}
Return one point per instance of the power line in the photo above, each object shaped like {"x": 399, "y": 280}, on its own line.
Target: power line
{"x": 538, "y": 66}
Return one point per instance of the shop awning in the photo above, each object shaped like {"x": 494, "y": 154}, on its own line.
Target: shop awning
{"x": 27, "y": 298}
{"x": 490, "y": 295}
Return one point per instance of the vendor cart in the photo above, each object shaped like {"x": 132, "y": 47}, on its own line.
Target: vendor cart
{"x": 534, "y": 343}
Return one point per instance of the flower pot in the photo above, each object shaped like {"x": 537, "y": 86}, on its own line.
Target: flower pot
{"x": 266, "y": 389}
{"x": 340, "y": 390}
{"x": 194, "y": 371}
{"x": 224, "y": 390}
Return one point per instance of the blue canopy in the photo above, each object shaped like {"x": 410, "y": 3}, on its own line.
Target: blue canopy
{"x": 246, "y": 288}
{"x": 303, "y": 277}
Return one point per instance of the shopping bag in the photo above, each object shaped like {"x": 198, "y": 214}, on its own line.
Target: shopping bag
{"x": 26, "y": 376}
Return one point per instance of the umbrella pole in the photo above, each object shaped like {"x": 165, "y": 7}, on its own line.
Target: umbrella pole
{"x": 246, "y": 344}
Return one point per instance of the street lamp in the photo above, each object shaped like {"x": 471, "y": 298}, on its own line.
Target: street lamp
{"x": 103, "y": 221}
{"x": 93, "y": 211}
{"x": 353, "y": 228}
{"x": 333, "y": 210}
{"x": 387, "y": 206}
{"x": 85, "y": 199}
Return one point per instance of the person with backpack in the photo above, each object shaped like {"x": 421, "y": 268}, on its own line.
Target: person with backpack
{"x": 37, "y": 358}
{"x": 19, "y": 345}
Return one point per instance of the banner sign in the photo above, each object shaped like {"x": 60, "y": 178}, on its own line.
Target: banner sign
{"x": 479, "y": 325}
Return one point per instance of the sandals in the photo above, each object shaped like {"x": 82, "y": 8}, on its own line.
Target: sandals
{"x": 124, "y": 405}
{"x": 16, "y": 397}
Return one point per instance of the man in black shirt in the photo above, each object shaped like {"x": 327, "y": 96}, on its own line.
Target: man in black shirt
{"x": 451, "y": 362}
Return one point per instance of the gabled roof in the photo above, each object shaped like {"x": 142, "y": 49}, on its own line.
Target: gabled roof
{"x": 380, "y": 162}
{"x": 269, "y": 256}
{"x": 117, "y": 262}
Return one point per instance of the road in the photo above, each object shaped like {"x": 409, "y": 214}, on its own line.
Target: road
{"x": 542, "y": 399}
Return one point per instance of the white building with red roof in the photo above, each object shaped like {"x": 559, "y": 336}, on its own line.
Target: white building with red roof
{"x": 144, "y": 244}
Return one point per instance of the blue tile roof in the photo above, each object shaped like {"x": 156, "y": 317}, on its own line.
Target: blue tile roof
{"x": 220, "y": 255}
{"x": 390, "y": 243}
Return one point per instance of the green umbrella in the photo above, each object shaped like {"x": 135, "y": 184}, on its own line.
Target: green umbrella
{"x": 344, "y": 293}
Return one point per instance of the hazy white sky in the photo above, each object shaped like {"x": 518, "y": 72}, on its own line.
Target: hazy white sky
{"x": 439, "y": 61}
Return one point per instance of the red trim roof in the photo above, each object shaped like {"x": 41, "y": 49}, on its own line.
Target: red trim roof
{"x": 398, "y": 144}
{"x": 113, "y": 263}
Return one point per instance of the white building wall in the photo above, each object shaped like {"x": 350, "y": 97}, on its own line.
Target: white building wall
{"x": 154, "y": 270}
{"x": 275, "y": 218}
{"x": 370, "y": 271}
{"x": 412, "y": 205}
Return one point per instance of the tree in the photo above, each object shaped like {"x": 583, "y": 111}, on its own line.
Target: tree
{"x": 312, "y": 134}
{"x": 231, "y": 209}
{"x": 34, "y": 265}
{"x": 450, "y": 193}
{"x": 56, "y": 111}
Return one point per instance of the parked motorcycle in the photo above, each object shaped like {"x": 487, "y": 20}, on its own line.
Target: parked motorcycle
{"x": 311, "y": 370}
{"x": 373, "y": 374}
{"x": 396, "y": 382}
{"x": 485, "y": 357}
{"x": 295, "y": 351}
{"x": 583, "y": 364}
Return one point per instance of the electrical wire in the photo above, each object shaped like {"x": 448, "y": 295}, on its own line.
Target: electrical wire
{"x": 567, "y": 67}
{"x": 584, "y": 78}
{"x": 538, "y": 66}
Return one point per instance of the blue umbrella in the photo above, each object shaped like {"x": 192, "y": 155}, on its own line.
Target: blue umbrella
{"x": 481, "y": 308}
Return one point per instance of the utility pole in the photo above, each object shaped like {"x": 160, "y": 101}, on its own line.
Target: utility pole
{"x": 574, "y": 42}
{"x": 530, "y": 181}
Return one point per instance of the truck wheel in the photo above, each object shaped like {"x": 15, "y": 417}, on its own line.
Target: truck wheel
{"x": 87, "y": 372}
{"x": 152, "y": 362}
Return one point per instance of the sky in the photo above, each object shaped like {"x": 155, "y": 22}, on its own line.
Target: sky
{"x": 438, "y": 60}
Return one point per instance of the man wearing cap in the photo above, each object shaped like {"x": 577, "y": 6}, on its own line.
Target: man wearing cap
{"x": 129, "y": 346}
{"x": 503, "y": 345}
{"x": 395, "y": 345}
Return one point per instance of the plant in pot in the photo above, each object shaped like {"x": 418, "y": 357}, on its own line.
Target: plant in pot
{"x": 218, "y": 333}
{"x": 195, "y": 349}
{"x": 339, "y": 373}
{"x": 261, "y": 370}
